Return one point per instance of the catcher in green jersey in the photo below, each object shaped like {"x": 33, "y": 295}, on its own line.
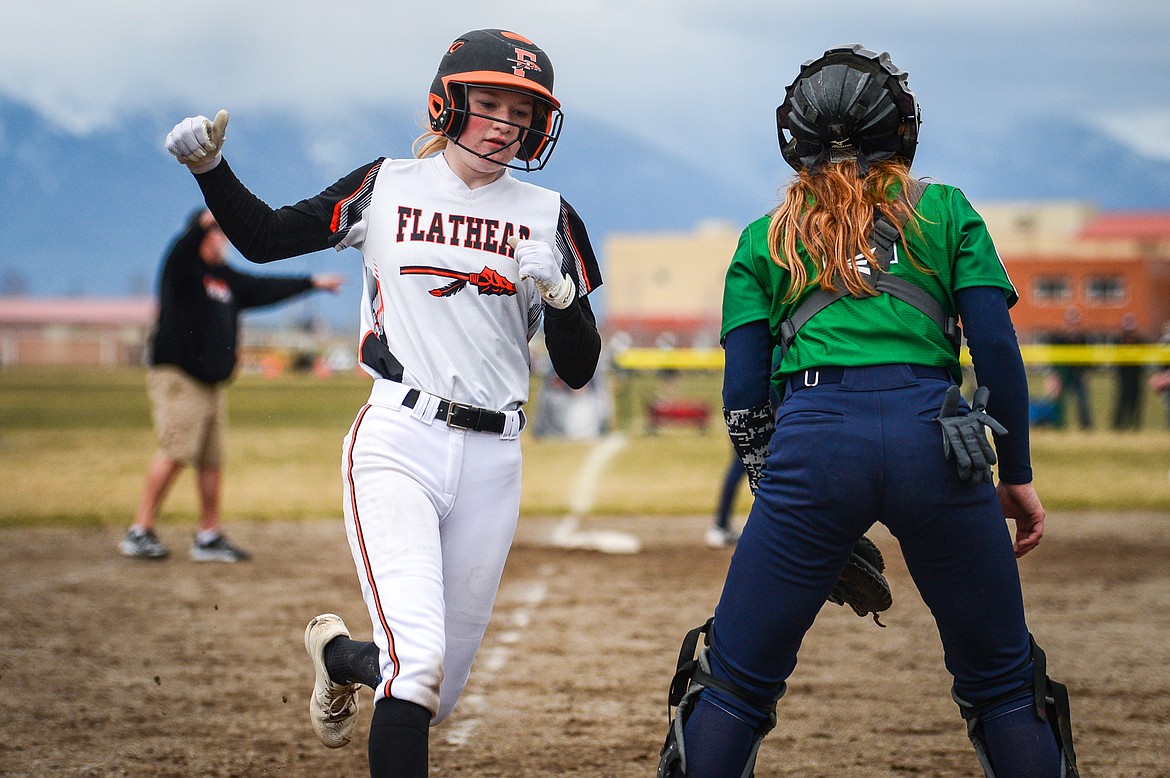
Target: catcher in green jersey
{"x": 861, "y": 279}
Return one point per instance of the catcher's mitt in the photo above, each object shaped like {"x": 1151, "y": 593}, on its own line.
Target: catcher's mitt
{"x": 862, "y": 586}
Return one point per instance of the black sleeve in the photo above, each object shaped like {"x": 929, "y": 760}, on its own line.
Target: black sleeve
{"x": 991, "y": 337}
{"x": 263, "y": 234}
{"x": 255, "y": 291}
{"x": 574, "y": 344}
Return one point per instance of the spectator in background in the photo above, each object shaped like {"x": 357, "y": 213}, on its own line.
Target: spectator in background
{"x": 1127, "y": 411}
{"x": 193, "y": 355}
{"x": 720, "y": 534}
{"x": 1044, "y": 410}
{"x": 1159, "y": 382}
{"x": 564, "y": 412}
{"x": 1072, "y": 376}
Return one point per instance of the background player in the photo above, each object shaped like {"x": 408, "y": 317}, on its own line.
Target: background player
{"x": 432, "y": 463}
{"x": 192, "y": 357}
{"x": 866, "y": 384}
{"x": 721, "y": 534}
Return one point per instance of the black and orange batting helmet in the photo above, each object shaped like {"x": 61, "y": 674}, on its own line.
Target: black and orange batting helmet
{"x": 501, "y": 60}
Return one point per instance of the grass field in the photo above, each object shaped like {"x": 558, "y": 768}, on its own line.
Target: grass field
{"x": 74, "y": 448}
{"x": 581, "y": 645}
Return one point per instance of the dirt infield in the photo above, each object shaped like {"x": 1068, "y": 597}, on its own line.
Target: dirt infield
{"x": 114, "y": 667}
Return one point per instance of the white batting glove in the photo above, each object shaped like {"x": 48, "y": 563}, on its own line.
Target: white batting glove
{"x": 197, "y": 141}
{"x": 537, "y": 262}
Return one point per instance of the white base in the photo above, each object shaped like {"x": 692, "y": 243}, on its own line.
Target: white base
{"x": 567, "y": 535}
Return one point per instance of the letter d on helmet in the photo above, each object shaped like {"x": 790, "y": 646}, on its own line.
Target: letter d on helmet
{"x": 849, "y": 103}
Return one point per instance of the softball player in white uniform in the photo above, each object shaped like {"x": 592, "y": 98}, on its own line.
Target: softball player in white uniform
{"x": 461, "y": 264}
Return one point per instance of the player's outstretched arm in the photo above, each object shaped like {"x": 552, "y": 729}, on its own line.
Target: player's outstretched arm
{"x": 260, "y": 233}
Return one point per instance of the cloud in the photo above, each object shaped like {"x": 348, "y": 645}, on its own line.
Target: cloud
{"x": 84, "y": 65}
{"x": 696, "y": 77}
{"x": 1146, "y": 132}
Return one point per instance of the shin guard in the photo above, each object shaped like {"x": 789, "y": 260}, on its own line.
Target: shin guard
{"x": 692, "y": 676}
{"x": 1051, "y": 706}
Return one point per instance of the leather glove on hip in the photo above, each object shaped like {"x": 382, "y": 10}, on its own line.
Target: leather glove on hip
{"x": 965, "y": 436}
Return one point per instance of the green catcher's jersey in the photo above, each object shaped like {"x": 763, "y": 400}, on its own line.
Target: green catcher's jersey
{"x": 954, "y": 247}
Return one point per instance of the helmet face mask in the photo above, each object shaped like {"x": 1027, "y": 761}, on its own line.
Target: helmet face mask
{"x": 849, "y": 104}
{"x": 497, "y": 59}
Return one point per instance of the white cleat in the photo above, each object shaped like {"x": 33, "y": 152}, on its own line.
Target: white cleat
{"x": 333, "y": 707}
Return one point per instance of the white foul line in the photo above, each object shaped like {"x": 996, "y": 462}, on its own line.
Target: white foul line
{"x": 567, "y": 534}
{"x": 493, "y": 658}
{"x": 590, "y": 474}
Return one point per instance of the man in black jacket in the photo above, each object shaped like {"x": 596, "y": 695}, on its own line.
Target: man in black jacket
{"x": 193, "y": 356}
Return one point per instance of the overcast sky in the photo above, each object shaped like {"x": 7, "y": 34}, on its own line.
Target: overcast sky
{"x": 702, "y": 78}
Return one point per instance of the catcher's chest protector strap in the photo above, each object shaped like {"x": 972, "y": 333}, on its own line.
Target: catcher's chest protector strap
{"x": 883, "y": 238}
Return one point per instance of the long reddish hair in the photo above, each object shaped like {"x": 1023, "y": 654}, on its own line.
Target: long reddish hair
{"x": 830, "y": 213}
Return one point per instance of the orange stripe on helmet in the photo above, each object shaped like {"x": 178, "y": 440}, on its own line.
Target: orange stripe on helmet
{"x": 495, "y": 78}
{"x": 516, "y": 37}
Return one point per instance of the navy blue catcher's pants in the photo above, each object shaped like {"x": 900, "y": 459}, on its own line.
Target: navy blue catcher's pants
{"x": 856, "y": 448}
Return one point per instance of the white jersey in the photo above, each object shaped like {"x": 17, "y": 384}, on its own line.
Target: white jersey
{"x": 443, "y": 306}
{"x": 431, "y": 504}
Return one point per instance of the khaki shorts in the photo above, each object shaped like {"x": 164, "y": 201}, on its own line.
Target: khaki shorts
{"x": 189, "y": 417}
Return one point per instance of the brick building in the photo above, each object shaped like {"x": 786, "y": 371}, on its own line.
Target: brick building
{"x": 1103, "y": 265}
{"x": 666, "y": 288}
{"x": 115, "y": 332}
{"x": 74, "y": 330}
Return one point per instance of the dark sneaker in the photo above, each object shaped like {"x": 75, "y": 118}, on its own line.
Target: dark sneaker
{"x": 143, "y": 544}
{"x": 218, "y": 550}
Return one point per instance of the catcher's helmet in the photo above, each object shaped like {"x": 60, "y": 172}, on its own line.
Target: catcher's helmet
{"x": 498, "y": 59}
{"x": 850, "y": 103}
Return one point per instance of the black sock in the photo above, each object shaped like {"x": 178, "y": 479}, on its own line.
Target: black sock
{"x": 352, "y": 661}
{"x": 398, "y": 739}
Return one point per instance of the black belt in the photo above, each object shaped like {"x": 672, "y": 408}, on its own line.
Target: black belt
{"x": 819, "y": 376}
{"x": 467, "y": 417}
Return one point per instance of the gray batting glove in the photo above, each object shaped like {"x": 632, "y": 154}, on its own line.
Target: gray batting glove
{"x": 965, "y": 437}
{"x": 197, "y": 141}
{"x": 537, "y": 262}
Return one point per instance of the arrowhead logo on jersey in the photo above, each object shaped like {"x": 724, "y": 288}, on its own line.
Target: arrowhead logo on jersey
{"x": 487, "y": 281}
